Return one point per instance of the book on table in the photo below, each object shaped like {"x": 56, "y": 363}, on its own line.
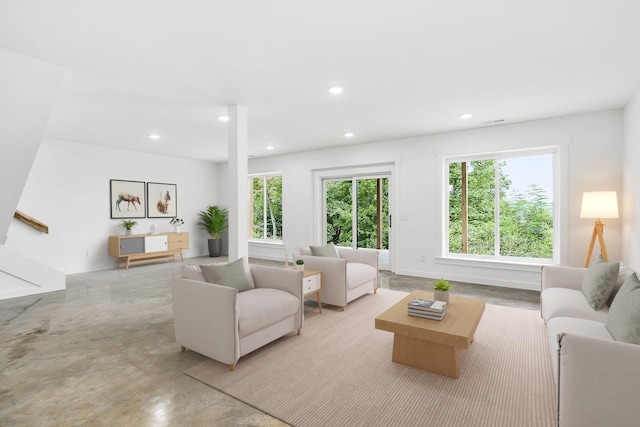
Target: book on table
{"x": 426, "y": 315}
{"x": 427, "y": 305}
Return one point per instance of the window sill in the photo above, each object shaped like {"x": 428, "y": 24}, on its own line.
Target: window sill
{"x": 266, "y": 243}
{"x": 493, "y": 263}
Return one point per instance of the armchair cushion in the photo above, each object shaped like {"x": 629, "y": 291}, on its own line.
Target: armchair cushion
{"x": 328, "y": 251}
{"x": 263, "y": 307}
{"x": 599, "y": 282}
{"x": 359, "y": 274}
{"x": 234, "y": 275}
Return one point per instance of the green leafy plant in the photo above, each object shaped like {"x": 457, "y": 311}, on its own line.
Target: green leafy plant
{"x": 213, "y": 220}
{"x": 176, "y": 221}
{"x": 128, "y": 224}
{"x": 442, "y": 285}
{"x": 299, "y": 262}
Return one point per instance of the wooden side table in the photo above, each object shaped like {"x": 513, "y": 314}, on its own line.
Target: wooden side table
{"x": 312, "y": 284}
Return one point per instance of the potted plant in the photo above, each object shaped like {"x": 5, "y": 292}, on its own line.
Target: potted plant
{"x": 176, "y": 222}
{"x": 441, "y": 290}
{"x": 214, "y": 221}
{"x": 127, "y": 225}
{"x": 299, "y": 264}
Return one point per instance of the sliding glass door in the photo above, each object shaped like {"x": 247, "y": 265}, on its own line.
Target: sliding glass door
{"x": 357, "y": 213}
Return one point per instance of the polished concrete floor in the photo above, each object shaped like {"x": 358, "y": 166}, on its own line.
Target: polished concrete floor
{"x": 102, "y": 353}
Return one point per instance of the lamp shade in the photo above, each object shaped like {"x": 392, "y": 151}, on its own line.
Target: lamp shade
{"x": 599, "y": 204}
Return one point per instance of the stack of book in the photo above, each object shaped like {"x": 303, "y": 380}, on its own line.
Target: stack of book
{"x": 426, "y": 308}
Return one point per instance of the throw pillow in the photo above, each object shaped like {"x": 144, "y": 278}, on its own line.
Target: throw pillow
{"x": 623, "y": 321}
{"x": 328, "y": 251}
{"x": 234, "y": 275}
{"x": 623, "y": 274}
{"x": 599, "y": 282}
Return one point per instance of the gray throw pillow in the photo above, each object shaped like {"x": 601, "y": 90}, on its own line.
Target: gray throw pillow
{"x": 234, "y": 275}
{"x": 599, "y": 282}
{"x": 328, "y": 251}
{"x": 623, "y": 321}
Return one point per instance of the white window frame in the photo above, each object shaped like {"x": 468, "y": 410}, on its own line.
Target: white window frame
{"x": 497, "y": 156}
{"x": 264, "y": 177}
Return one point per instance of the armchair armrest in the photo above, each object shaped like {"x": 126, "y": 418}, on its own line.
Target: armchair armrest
{"x": 597, "y": 382}
{"x": 206, "y": 318}
{"x": 555, "y": 276}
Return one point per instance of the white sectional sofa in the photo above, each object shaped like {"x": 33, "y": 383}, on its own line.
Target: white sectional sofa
{"x": 347, "y": 273}
{"x": 597, "y": 376}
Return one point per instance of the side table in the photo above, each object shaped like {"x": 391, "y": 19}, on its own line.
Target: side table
{"x": 312, "y": 284}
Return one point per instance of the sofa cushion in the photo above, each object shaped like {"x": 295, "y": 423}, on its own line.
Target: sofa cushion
{"x": 599, "y": 282}
{"x": 624, "y": 316}
{"x": 328, "y": 251}
{"x": 192, "y": 272}
{"x": 262, "y": 307}
{"x": 570, "y": 325}
{"x": 358, "y": 274}
{"x": 235, "y": 274}
{"x": 564, "y": 302}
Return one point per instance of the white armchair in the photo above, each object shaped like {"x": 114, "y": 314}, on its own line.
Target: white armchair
{"x": 346, "y": 278}
{"x": 224, "y": 324}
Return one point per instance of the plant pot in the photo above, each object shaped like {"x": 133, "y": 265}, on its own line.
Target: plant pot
{"x": 128, "y": 232}
{"x": 300, "y": 267}
{"x": 215, "y": 247}
{"x": 176, "y": 228}
{"x": 441, "y": 296}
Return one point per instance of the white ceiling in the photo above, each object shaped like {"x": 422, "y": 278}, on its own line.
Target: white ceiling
{"x": 408, "y": 68}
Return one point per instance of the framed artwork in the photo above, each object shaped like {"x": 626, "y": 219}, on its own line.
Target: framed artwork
{"x": 162, "y": 200}
{"x": 127, "y": 199}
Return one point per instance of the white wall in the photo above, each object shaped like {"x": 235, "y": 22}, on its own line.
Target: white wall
{"x": 631, "y": 188}
{"x": 68, "y": 189}
{"x": 590, "y": 156}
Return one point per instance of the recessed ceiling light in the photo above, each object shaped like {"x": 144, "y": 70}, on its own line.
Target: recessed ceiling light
{"x": 465, "y": 115}
{"x": 154, "y": 136}
{"x": 349, "y": 134}
{"x": 223, "y": 118}
{"x": 269, "y": 147}
{"x": 336, "y": 90}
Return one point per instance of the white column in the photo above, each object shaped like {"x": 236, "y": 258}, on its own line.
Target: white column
{"x": 238, "y": 191}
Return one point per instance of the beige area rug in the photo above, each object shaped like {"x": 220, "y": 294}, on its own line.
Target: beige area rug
{"x": 339, "y": 373}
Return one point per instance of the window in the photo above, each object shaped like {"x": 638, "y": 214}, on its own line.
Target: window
{"x": 501, "y": 206}
{"x": 265, "y": 207}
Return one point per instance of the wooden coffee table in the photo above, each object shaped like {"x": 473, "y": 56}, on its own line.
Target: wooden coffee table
{"x": 432, "y": 345}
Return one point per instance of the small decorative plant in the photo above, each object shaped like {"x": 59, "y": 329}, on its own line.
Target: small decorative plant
{"x": 442, "y": 285}
{"x": 213, "y": 220}
{"x": 176, "y": 221}
{"x": 127, "y": 225}
{"x": 300, "y": 264}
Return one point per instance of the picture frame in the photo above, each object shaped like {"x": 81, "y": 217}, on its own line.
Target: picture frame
{"x": 127, "y": 199}
{"x": 162, "y": 200}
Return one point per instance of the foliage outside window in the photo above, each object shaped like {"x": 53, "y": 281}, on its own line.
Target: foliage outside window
{"x": 371, "y": 210}
{"x": 494, "y": 217}
{"x": 265, "y": 209}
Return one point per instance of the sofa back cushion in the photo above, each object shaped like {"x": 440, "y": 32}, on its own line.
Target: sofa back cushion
{"x": 624, "y": 315}
{"x": 599, "y": 282}
{"x": 235, "y": 274}
{"x": 623, "y": 275}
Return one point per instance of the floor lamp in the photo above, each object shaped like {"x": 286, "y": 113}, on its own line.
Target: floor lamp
{"x": 598, "y": 204}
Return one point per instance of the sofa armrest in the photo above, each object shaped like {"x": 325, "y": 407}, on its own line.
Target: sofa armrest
{"x": 555, "y": 276}
{"x": 205, "y": 317}
{"x": 334, "y": 270}
{"x": 283, "y": 279}
{"x": 363, "y": 256}
{"x": 598, "y": 382}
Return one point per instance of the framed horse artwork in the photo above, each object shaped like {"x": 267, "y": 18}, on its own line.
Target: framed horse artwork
{"x": 162, "y": 200}
{"x": 127, "y": 199}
